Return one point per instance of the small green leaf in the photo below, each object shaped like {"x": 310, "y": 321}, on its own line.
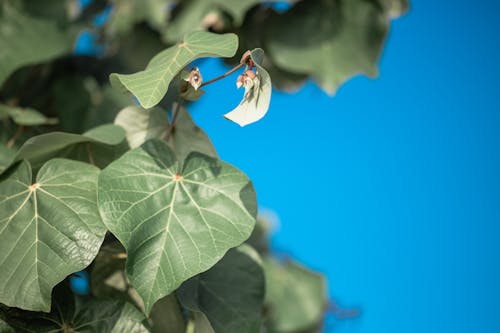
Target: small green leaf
{"x": 6, "y": 157}
{"x": 296, "y": 296}
{"x": 186, "y": 137}
{"x": 49, "y": 228}
{"x": 257, "y": 97}
{"x": 332, "y": 40}
{"x": 173, "y": 222}
{"x": 98, "y": 146}
{"x": 26, "y": 41}
{"x": 151, "y": 84}
{"x": 26, "y": 116}
{"x": 141, "y": 125}
{"x": 230, "y": 294}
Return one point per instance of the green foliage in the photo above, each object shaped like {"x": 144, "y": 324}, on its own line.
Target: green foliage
{"x": 135, "y": 193}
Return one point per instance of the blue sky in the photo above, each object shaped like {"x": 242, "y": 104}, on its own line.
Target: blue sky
{"x": 390, "y": 188}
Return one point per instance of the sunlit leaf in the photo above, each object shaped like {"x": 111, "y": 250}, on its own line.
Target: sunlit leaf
{"x": 26, "y": 40}
{"x": 141, "y": 125}
{"x": 151, "y": 84}
{"x": 296, "y": 296}
{"x": 230, "y": 294}
{"x": 49, "y": 227}
{"x": 332, "y": 40}
{"x": 174, "y": 222}
{"x": 256, "y": 98}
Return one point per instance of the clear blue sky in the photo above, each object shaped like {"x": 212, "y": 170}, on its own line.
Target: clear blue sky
{"x": 392, "y": 187}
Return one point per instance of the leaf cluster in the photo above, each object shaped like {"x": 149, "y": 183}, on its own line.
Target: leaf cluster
{"x": 103, "y": 169}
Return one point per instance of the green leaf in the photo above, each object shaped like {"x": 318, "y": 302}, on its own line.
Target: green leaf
{"x": 71, "y": 313}
{"x": 26, "y": 116}
{"x": 230, "y": 294}
{"x": 127, "y": 13}
{"x": 296, "y": 296}
{"x": 198, "y": 14}
{"x": 166, "y": 316}
{"x": 186, "y": 137}
{"x": 330, "y": 40}
{"x": 49, "y": 228}
{"x": 141, "y": 125}
{"x": 257, "y": 97}
{"x": 5, "y": 328}
{"x": 173, "y": 222}
{"x": 20, "y": 35}
{"x": 98, "y": 146}
{"x": 6, "y": 157}
{"x": 151, "y": 84}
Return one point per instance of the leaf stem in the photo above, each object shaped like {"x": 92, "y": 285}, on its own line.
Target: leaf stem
{"x": 174, "y": 118}
{"x": 231, "y": 71}
{"x": 12, "y": 141}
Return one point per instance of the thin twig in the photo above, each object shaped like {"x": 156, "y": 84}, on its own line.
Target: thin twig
{"x": 174, "y": 118}
{"x": 12, "y": 141}
{"x": 231, "y": 71}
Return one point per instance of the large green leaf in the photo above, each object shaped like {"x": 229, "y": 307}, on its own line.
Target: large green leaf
{"x": 6, "y": 157}
{"x": 296, "y": 296}
{"x": 331, "y": 40}
{"x": 26, "y": 40}
{"x": 151, "y": 84}
{"x": 49, "y": 228}
{"x": 174, "y": 222}
{"x": 98, "y": 146}
{"x": 257, "y": 96}
{"x": 230, "y": 294}
{"x": 72, "y": 313}
{"x": 26, "y": 116}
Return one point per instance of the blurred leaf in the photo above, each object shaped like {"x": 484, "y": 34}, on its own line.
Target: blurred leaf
{"x": 203, "y": 14}
{"x": 200, "y": 323}
{"x": 26, "y": 116}
{"x": 259, "y": 239}
{"x": 126, "y": 13}
{"x": 331, "y": 40}
{"x": 230, "y": 294}
{"x": 174, "y": 223}
{"x": 150, "y": 85}
{"x": 23, "y": 35}
{"x": 257, "y": 96}
{"x": 47, "y": 231}
{"x": 296, "y": 296}
{"x": 106, "y": 103}
{"x": 186, "y": 137}
{"x": 98, "y": 146}
{"x": 5, "y": 328}
{"x": 141, "y": 125}
{"x": 166, "y": 316}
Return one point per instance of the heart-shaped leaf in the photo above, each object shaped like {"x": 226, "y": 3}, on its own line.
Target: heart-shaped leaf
{"x": 230, "y": 294}
{"x": 151, "y": 84}
{"x": 21, "y": 34}
{"x": 49, "y": 228}
{"x": 174, "y": 222}
{"x": 257, "y": 97}
{"x": 331, "y": 40}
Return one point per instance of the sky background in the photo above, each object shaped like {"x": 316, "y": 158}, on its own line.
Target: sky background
{"x": 391, "y": 188}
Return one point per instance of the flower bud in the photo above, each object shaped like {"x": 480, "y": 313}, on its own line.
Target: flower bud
{"x": 195, "y": 79}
